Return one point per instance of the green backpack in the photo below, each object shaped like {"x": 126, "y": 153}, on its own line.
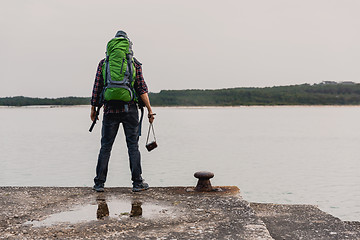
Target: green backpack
{"x": 119, "y": 70}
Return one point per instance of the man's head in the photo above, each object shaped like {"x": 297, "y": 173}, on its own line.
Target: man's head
{"x": 121, "y": 34}
{"x": 124, "y": 35}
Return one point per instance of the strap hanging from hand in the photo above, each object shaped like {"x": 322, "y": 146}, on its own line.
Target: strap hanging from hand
{"x": 152, "y": 127}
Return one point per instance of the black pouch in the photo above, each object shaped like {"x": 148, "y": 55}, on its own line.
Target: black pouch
{"x": 152, "y": 145}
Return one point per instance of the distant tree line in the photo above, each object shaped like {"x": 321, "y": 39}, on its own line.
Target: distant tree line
{"x": 28, "y": 101}
{"x": 305, "y": 94}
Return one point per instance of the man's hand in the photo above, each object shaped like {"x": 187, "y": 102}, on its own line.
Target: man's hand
{"x": 93, "y": 114}
{"x": 151, "y": 117}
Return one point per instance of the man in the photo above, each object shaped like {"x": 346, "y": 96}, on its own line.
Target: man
{"x": 114, "y": 114}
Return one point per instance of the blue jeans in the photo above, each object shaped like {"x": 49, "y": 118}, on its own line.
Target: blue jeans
{"x": 110, "y": 126}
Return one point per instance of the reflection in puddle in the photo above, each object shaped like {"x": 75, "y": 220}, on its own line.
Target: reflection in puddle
{"x": 136, "y": 209}
{"x": 104, "y": 209}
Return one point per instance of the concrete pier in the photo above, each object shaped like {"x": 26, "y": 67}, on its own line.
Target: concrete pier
{"x": 159, "y": 213}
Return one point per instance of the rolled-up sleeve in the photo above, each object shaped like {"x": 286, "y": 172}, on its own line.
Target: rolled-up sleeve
{"x": 140, "y": 84}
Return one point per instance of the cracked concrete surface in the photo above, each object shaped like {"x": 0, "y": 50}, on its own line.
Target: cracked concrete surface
{"x": 158, "y": 213}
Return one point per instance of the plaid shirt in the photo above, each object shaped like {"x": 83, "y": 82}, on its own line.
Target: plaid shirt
{"x": 139, "y": 86}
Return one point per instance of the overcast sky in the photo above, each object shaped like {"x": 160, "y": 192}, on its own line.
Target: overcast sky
{"x": 51, "y": 48}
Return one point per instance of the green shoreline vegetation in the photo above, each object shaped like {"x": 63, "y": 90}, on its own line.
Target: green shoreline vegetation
{"x": 325, "y": 93}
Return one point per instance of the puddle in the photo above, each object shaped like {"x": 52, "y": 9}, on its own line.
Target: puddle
{"x": 105, "y": 209}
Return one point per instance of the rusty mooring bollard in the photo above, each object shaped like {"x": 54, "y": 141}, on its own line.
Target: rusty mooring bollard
{"x": 204, "y": 184}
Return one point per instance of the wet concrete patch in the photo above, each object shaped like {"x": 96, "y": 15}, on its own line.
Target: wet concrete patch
{"x": 102, "y": 209}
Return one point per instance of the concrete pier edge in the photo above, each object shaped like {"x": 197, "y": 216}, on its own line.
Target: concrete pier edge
{"x": 159, "y": 213}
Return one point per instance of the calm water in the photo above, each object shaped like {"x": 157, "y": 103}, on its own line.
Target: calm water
{"x": 273, "y": 154}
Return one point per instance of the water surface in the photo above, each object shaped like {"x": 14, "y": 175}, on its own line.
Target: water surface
{"x": 289, "y": 155}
